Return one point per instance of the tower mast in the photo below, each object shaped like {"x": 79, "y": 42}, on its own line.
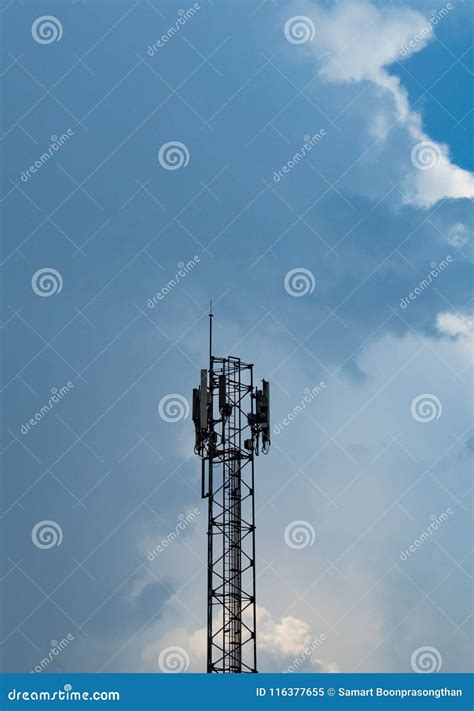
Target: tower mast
{"x": 232, "y": 423}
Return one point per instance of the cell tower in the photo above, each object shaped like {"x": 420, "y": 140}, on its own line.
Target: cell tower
{"x": 232, "y": 422}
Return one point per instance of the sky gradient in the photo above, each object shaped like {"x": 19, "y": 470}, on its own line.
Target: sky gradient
{"x": 375, "y": 221}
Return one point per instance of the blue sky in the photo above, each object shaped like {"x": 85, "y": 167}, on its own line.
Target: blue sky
{"x": 355, "y": 212}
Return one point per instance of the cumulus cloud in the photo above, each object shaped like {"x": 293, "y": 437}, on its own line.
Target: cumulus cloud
{"x": 281, "y": 643}
{"x": 443, "y": 180}
{"x": 288, "y": 637}
{"x": 283, "y": 639}
{"x": 455, "y": 324}
{"x": 356, "y": 42}
{"x": 325, "y": 667}
{"x": 291, "y": 641}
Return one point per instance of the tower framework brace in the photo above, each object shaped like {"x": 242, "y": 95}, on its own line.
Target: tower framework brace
{"x": 232, "y": 424}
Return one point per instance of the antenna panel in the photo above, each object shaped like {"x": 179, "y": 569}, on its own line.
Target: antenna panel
{"x": 204, "y": 400}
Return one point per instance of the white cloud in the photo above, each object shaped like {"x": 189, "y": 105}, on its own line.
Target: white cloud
{"x": 356, "y": 42}
{"x": 288, "y": 637}
{"x": 455, "y": 324}
{"x": 325, "y": 667}
{"x": 445, "y": 180}
{"x": 280, "y": 643}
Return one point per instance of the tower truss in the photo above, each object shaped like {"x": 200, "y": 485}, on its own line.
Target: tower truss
{"x": 231, "y": 418}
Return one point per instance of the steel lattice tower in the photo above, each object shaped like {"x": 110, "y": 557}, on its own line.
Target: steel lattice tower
{"x": 230, "y": 416}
